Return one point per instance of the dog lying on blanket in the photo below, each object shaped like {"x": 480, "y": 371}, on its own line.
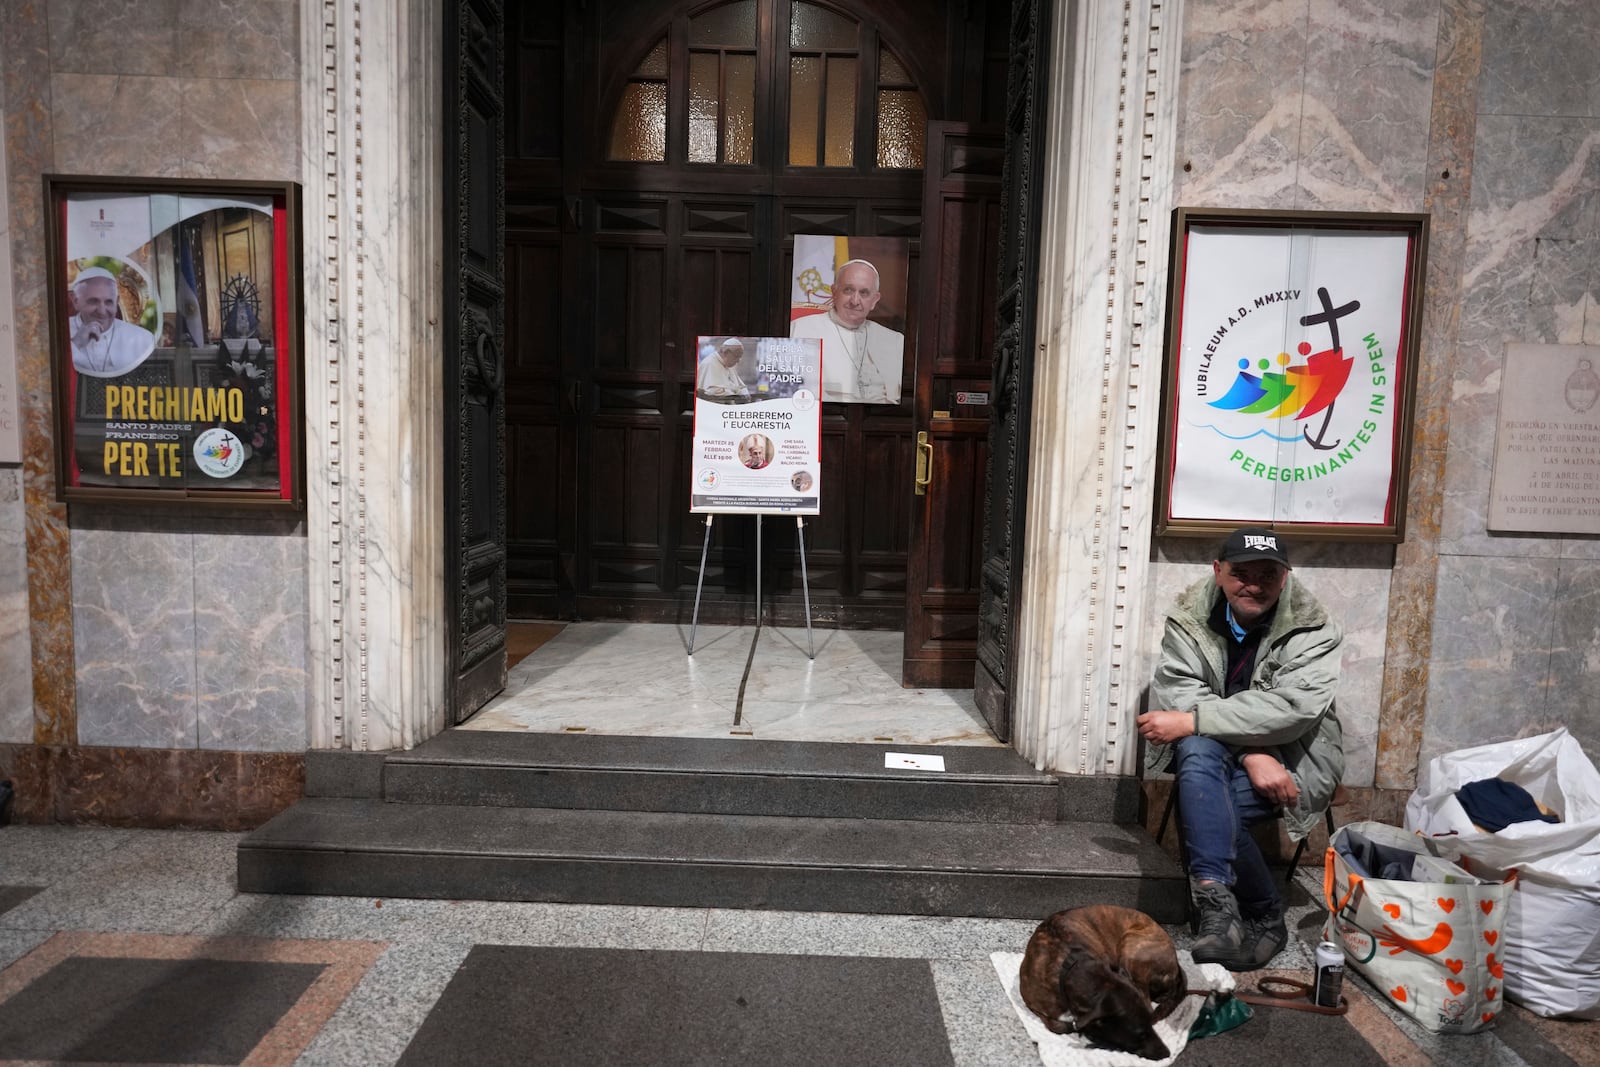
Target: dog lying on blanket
{"x": 1098, "y": 970}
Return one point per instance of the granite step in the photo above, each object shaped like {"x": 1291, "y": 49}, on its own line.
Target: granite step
{"x": 985, "y": 784}
{"x": 368, "y": 847}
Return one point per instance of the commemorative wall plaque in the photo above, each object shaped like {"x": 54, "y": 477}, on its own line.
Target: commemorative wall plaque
{"x": 1547, "y": 442}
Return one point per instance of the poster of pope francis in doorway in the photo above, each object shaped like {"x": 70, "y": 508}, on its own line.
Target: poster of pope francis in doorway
{"x": 850, "y": 293}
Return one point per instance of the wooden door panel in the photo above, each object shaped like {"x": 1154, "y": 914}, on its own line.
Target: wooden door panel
{"x": 625, "y": 485}
{"x": 971, "y": 229}
{"x": 961, "y": 204}
{"x": 534, "y": 457}
{"x": 960, "y": 464}
{"x": 533, "y": 321}
{"x": 1027, "y": 97}
{"x": 629, "y": 301}
{"x": 473, "y": 357}
{"x": 717, "y": 294}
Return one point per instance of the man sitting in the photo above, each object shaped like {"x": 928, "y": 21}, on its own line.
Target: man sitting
{"x": 1249, "y": 664}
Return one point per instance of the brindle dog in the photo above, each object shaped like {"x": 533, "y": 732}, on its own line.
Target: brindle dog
{"x": 1096, "y": 970}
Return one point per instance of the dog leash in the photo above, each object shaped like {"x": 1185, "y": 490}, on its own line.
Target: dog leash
{"x": 1289, "y": 993}
{"x": 1274, "y": 992}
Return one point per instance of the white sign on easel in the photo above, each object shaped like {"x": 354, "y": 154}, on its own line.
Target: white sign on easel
{"x": 757, "y": 441}
{"x": 757, "y": 426}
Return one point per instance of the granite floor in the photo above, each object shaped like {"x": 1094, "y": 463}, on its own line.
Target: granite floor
{"x": 640, "y": 678}
{"x": 133, "y": 945}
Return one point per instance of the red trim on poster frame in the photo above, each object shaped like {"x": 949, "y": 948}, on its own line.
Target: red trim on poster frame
{"x": 281, "y": 338}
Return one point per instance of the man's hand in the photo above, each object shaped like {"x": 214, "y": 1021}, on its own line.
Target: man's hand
{"x": 1165, "y": 727}
{"x": 1270, "y": 778}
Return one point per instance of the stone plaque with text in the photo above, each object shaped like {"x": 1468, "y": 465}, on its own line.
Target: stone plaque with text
{"x": 1547, "y": 441}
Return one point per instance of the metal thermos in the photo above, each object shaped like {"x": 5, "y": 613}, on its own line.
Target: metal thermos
{"x": 1330, "y": 975}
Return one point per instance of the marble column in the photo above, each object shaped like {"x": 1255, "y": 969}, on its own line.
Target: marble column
{"x": 16, "y": 656}
{"x": 374, "y": 300}
{"x": 1097, "y": 394}
{"x": 29, "y": 137}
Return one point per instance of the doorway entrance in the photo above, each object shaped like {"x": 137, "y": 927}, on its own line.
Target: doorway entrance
{"x": 660, "y": 160}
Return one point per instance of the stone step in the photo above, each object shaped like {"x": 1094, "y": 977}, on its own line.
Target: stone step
{"x": 717, "y": 776}
{"x": 367, "y": 847}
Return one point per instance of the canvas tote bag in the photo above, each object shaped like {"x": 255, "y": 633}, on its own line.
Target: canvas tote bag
{"x": 1427, "y": 934}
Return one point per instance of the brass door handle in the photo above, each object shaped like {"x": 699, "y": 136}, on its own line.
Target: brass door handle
{"x": 924, "y": 463}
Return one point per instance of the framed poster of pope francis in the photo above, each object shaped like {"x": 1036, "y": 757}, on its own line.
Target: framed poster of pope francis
{"x": 850, "y": 294}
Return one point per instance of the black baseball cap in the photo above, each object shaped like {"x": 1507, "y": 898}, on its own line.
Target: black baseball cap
{"x": 1254, "y": 542}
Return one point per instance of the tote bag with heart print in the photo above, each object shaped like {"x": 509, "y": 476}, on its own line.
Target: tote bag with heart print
{"x": 1421, "y": 929}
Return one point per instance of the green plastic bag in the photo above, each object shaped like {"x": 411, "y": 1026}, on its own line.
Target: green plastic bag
{"x": 1220, "y": 1013}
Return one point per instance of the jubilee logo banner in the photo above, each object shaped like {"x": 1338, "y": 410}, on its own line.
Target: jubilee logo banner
{"x": 1288, "y": 376}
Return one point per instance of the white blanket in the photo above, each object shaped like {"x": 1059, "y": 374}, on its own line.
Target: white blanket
{"x": 1074, "y": 1050}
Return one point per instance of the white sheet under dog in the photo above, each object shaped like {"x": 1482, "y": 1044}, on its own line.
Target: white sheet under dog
{"x": 1074, "y": 1050}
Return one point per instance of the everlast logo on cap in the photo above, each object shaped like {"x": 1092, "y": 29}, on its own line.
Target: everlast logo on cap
{"x": 1254, "y": 542}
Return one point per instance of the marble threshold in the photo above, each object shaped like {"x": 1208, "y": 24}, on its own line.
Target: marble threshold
{"x": 640, "y": 679}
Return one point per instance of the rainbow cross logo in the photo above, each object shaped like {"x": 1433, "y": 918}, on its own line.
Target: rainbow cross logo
{"x": 1302, "y": 390}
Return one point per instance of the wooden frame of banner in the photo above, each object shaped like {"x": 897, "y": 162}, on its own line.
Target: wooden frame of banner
{"x": 1275, "y": 225}
{"x": 141, "y": 420}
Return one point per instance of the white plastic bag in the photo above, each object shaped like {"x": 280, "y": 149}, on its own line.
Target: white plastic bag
{"x": 1552, "y": 932}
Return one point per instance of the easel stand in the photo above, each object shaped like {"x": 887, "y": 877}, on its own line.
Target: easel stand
{"x": 805, "y": 584}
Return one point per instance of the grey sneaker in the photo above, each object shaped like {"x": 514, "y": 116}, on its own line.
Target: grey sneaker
{"x": 1264, "y": 938}
{"x": 1221, "y": 931}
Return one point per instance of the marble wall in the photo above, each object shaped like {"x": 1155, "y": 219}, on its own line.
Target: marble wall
{"x": 16, "y": 670}
{"x": 184, "y": 632}
{"x": 1485, "y": 114}
{"x": 1516, "y": 633}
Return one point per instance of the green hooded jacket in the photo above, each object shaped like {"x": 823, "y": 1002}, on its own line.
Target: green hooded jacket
{"x": 1287, "y": 710}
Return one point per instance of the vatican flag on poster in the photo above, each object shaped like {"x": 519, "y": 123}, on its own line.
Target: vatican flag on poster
{"x": 757, "y": 426}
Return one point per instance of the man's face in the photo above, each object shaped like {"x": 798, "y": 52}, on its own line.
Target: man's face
{"x": 731, "y": 355}
{"x": 97, "y": 301}
{"x": 855, "y": 295}
{"x": 1252, "y": 588}
{"x": 758, "y": 452}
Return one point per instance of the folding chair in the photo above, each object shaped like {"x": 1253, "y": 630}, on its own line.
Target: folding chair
{"x": 1340, "y": 797}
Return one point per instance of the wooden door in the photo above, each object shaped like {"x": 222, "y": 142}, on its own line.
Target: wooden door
{"x": 615, "y": 265}
{"x": 475, "y": 553}
{"x": 961, "y": 232}
{"x": 1017, "y": 303}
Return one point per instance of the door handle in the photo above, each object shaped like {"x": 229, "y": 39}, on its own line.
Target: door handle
{"x": 924, "y": 463}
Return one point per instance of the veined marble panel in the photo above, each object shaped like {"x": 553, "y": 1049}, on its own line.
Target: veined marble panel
{"x": 1492, "y": 634}
{"x": 637, "y": 678}
{"x": 1367, "y": 104}
{"x": 29, "y": 137}
{"x": 1533, "y": 177}
{"x": 133, "y": 594}
{"x": 113, "y": 37}
{"x": 1538, "y": 58}
{"x": 1241, "y": 104}
{"x": 118, "y": 124}
{"x": 239, "y": 38}
{"x": 16, "y": 652}
{"x": 1359, "y": 598}
{"x": 1574, "y": 698}
{"x": 251, "y": 638}
{"x": 240, "y": 128}
{"x": 1529, "y": 276}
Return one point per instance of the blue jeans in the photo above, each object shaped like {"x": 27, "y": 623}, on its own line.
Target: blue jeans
{"x": 1217, "y": 805}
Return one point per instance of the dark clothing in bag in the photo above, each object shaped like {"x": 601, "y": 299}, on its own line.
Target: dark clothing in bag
{"x": 1494, "y": 804}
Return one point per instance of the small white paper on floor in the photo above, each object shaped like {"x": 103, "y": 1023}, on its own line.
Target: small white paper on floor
{"x": 1074, "y": 1050}
{"x": 913, "y": 761}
